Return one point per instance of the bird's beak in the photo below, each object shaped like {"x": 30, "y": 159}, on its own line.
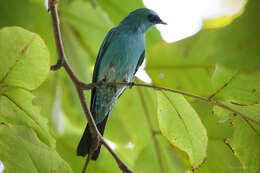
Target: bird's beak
{"x": 162, "y": 22}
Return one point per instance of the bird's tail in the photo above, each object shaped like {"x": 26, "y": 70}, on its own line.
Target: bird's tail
{"x": 86, "y": 140}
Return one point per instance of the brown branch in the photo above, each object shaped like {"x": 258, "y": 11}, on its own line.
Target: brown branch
{"x": 97, "y": 138}
{"x": 156, "y": 144}
{"x": 131, "y": 84}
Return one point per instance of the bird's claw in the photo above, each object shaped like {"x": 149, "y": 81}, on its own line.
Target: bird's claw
{"x": 101, "y": 83}
{"x": 131, "y": 84}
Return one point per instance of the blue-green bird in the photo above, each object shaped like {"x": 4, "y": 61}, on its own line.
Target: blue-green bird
{"x": 121, "y": 54}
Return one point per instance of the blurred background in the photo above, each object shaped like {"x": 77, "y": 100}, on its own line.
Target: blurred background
{"x": 203, "y": 45}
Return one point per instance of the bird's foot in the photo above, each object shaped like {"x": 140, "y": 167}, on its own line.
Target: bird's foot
{"x": 101, "y": 83}
{"x": 131, "y": 84}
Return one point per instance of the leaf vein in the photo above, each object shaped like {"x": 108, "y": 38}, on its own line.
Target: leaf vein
{"x": 181, "y": 120}
{"x": 17, "y": 60}
{"x": 21, "y": 109}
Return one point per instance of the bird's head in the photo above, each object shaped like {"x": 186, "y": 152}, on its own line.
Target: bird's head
{"x": 142, "y": 19}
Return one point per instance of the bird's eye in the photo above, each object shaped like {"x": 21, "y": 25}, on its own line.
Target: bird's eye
{"x": 152, "y": 18}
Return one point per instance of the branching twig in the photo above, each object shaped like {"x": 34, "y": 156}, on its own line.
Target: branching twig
{"x": 97, "y": 138}
{"x": 150, "y": 124}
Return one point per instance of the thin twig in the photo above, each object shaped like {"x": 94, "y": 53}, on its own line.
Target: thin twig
{"x": 97, "y": 138}
{"x": 131, "y": 84}
{"x": 224, "y": 86}
{"x": 86, "y": 164}
{"x": 156, "y": 144}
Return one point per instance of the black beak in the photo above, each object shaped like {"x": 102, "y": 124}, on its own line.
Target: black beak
{"x": 160, "y": 21}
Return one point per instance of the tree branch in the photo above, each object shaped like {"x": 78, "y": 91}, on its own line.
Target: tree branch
{"x": 97, "y": 138}
{"x": 131, "y": 84}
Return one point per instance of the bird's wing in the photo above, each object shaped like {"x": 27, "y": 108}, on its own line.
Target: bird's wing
{"x": 140, "y": 61}
{"x": 101, "y": 52}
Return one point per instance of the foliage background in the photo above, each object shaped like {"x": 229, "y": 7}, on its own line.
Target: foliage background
{"x": 42, "y": 121}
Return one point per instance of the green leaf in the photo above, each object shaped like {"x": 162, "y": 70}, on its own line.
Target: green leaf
{"x": 24, "y": 58}
{"x": 219, "y": 156}
{"x": 181, "y": 65}
{"x": 21, "y": 151}
{"x": 66, "y": 147}
{"x": 45, "y": 96}
{"x": 215, "y": 129}
{"x": 77, "y": 52}
{"x": 245, "y": 144}
{"x": 132, "y": 123}
{"x": 250, "y": 112}
{"x": 146, "y": 161}
{"x": 240, "y": 87}
{"x": 181, "y": 125}
{"x": 30, "y": 15}
{"x": 117, "y": 11}
{"x": 173, "y": 160}
{"x": 220, "y": 159}
{"x": 81, "y": 18}
{"x": 16, "y": 108}
{"x": 223, "y": 115}
{"x": 236, "y": 45}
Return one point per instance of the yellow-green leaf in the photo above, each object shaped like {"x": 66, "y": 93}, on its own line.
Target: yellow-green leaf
{"x": 24, "y": 58}
{"x": 21, "y": 151}
{"x": 181, "y": 125}
{"x": 181, "y": 65}
{"x": 220, "y": 159}
{"x": 250, "y": 112}
{"x": 16, "y": 108}
{"x": 237, "y": 45}
{"x": 245, "y": 144}
{"x": 238, "y": 86}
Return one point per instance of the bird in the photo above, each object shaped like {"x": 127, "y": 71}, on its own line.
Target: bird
{"x": 120, "y": 55}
